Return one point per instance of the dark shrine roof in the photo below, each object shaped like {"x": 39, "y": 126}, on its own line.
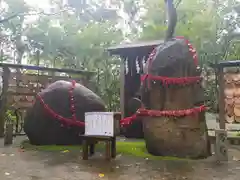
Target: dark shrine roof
{"x": 134, "y": 49}
{"x": 223, "y": 64}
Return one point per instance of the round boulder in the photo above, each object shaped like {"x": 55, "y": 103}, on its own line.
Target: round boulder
{"x": 42, "y": 128}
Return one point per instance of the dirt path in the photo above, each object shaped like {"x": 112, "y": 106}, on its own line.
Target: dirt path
{"x": 30, "y": 165}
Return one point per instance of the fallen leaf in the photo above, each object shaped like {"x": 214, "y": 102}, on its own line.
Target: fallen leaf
{"x": 7, "y": 174}
{"x": 76, "y": 167}
{"x": 101, "y": 175}
{"x": 235, "y": 159}
{"x": 65, "y": 151}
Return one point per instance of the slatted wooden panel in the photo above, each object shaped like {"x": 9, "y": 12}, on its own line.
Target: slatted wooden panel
{"x": 23, "y": 88}
{"x": 26, "y": 79}
{"x": 232, "y": 97}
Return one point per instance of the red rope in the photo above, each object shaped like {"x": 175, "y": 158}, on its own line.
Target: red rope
{"x": 125, "y": 121}
{"x": 72, "y": 104}
{"x": 168, "y": 81}
{"x": 167, "y": 113}
{"x": 68, "y": 121}
{"x": 191, "y": 49}
{"x": 140, "y": 112}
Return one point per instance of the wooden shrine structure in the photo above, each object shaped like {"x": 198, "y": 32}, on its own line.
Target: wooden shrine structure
{"x": 228, "y": 85}
{"x": 100, "y": 126}
{"x": 227, "y": 75}
{"x": 134, "y": 57}
{"x": 20, "y": 84}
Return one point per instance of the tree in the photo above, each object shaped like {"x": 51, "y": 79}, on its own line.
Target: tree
{"x": 64, "y": 38}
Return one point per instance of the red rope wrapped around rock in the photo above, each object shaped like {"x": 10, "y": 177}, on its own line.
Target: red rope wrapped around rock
{"x": 166, "y": 113}
{"x": 191, "y": 49}
{"x": 67, "y": 121}
{"x": 125, "y": 121}
{"x": 169, "y": 80}
{"x": 140, "y": 112}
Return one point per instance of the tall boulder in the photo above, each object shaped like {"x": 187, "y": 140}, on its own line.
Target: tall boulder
{"x": 184, "y": 136}
{"x": 44, "y": 129}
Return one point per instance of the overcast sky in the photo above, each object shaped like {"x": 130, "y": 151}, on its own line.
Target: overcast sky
{"x": 38, "y": 3}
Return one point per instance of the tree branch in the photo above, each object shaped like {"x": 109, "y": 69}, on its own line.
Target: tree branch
{"x": 30, "y": 14}
{"x": 8, "y": 18}
{"x": 177, "y": 3}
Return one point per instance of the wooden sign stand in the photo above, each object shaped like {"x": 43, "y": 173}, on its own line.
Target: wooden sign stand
{"x": 89, "y": 146}
{"x": 100, "y": 126}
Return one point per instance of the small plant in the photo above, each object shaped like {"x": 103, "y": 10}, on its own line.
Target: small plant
{"x": 238, "y": 133}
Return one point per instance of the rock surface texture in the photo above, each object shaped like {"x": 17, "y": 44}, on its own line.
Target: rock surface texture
{"x": 44, "y": 129}
{"x": 175, "y": 136}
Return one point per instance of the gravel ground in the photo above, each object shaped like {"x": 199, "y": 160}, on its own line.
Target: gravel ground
{"x": 16, "y": 164}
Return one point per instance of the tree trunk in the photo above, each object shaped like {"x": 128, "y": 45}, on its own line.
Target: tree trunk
{"x": 3, "y": 106}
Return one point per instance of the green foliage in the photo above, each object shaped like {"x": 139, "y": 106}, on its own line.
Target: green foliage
{"x": 79, "y": 32}
{"x": 11, "y": 116}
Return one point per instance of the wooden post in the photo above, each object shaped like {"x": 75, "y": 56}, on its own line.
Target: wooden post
{"x": 92, "y": 149}
{"x": 113, "y": 147}
{"x": 85, "y": 150}
{"x": 8, "y": 138}
{"x": 122, "y": 87}
{"x": 221, "y": 151}
{"x": 221, "y": 96}
{"x": 108, "y": 150}
{"x": 3, "y": 107}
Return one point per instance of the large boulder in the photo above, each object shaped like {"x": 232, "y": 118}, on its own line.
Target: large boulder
{"x": 175, "y": 136}
{"x": 43, "y": 129}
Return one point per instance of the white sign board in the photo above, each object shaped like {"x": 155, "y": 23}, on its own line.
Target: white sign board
{"x": 99, "y": 124}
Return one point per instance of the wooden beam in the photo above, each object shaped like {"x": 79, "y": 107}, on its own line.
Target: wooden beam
{"x": 221, "y": 97}
{"x": 122, "y": 87}
{"x": 40, "y": 68}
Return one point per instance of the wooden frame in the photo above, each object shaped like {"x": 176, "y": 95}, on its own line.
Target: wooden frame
{"x": 130, "y": 52}
{"x": 89, "y": 141}
{"x": 221, "y": 102}
{"x": 89, "y": 146}
{"x": 221, "y": 85}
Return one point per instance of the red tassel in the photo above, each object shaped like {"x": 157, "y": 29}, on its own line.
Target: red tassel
{"x": 168, "y": 81}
